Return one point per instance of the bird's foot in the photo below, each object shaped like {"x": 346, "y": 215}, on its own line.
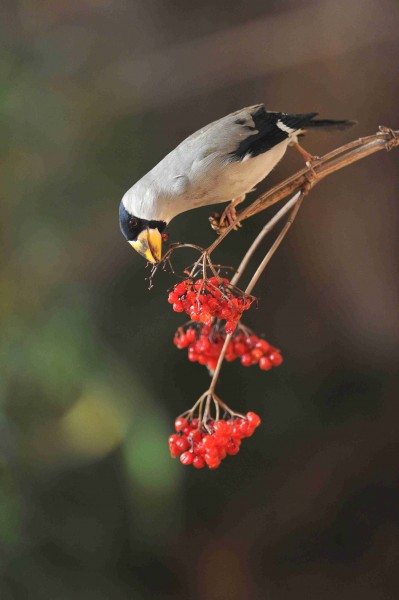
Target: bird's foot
{"x": 304, "y": 153}
{"x": 311, "y": 161}
{"x": 214, "y": 220}
{"x": 311, "y": 175}
{"x": 392, "y": 141}
{"x": 221, "y": 222}
{"x": 229, "y": 216}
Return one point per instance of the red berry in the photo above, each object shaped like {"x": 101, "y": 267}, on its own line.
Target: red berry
{"x": 191, "y": 335}
{"x": 173, "y": 297}
{"x": 230, "y": 326}
{"x": 178, "y": 306}
{"x": 239, "y": 348}
{"x": 256, "y": 354}
{"x": 206, "y": 318}
{"x": 181, "y": 288}
{"x": 187, "y": 458}
{"x": 195, "y": 436}
{"x": 232, "y": 448}
{"x": 212, "y": 461}
{"x": 174, "y": 451}
{"x": 244, "y": 429}
{"x": 221, "y": 428}
{"x": 209, "y": 442}
{"x": 183, "y": 444}
{"x": 213, "y": 304}
{"x": 192, "y": 352}
{"x": 265, "y": 364}
{"x": 246, "y": 360}
{"x": 275, "y": 358}
{"x": 222, "y": 453}
{"x": 253, "y": 419}
{"x": 198, "y": 462}
{"x": 263, "y": 345}
{"x": 180, "y": 423}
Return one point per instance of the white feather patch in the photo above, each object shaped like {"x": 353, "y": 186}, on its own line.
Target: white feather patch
{"x": 283, "y": 127}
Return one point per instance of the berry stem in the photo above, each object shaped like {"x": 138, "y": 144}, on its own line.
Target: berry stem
{"x": 296, "y": 201}
{"x": 189, "y": 413}
{"x": 216, "y": 372}
{"x": 276, "y": 244}
{"x": 262, "y": 234}
{"x": 228, "y": 410}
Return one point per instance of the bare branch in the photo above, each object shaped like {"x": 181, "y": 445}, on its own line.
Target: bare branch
{"x": 299, "y": 184}
{"x": 384, "y": 139}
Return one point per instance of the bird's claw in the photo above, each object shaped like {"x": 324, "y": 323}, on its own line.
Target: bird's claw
{"x": 221, "y": 222}
{"x": 229, "y": 215}
{"x": 215, "y": 221}
{"x": 313, "y": 162}
{"x": 392, "y": 141}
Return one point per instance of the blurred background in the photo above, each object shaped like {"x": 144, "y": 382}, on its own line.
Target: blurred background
{"x": 93, "y": 94}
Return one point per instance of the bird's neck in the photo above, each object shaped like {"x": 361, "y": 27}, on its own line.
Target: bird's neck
{"x": 152, "y": 203}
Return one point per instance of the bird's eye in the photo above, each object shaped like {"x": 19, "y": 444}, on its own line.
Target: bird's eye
{"x": 133, "y": 222}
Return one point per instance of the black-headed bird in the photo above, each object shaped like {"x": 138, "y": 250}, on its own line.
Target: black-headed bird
{"x": 221, "y": 162}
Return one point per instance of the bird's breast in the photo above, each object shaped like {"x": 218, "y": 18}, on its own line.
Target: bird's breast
{"x": 212, "y": 178}
{"x": 222, "y": 181}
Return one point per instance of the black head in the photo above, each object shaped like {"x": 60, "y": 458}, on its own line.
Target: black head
{"x": 143, "y": 234}
{"x": 132, "y": 226}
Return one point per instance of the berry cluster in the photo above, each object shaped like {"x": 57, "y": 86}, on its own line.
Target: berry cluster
{"x": 205, "y": 344}
{"x": 200, "y": 446}
{"x": 253, "y": 351}
{"x": 205, "y": 299}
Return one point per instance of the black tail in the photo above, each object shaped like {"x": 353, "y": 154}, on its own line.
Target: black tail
{"x": 329, "y": 124}
{"x": 270, "y": 128}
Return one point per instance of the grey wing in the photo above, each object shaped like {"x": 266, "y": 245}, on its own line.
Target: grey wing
{"x": 245, "y": 133}
{"x": 218, "y": 141}
{"x": 223, "y": 136}
{"x": 196, "y": 167}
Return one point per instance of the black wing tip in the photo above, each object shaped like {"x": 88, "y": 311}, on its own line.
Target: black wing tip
{"x": 332, "y": 123}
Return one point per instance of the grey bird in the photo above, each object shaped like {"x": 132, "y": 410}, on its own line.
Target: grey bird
{"x": 221, "y": 162}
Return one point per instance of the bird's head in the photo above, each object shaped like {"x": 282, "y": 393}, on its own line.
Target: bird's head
{"x": 145, "y": 236}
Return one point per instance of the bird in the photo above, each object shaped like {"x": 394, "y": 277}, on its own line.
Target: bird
{"x": 220, "y": 162}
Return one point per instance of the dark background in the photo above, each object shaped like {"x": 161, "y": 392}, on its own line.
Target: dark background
{"x": 93, "y": 93}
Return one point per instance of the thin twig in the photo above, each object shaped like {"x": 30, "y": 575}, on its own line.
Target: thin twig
{"x": 216, "y": 372}
{"x": 295, "y": 202}
{"x": 263, "y": 233}
{"x": 275, "y": 245}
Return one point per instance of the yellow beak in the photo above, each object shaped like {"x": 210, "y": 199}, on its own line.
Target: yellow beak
{"x": 149, "y": 244}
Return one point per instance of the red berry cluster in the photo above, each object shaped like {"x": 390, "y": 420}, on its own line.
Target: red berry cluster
{"x": 205, "y": 344}
{"x": 253, "y": 351}
{"x": 205, "y": 299}
{"x": 198, "y": 447}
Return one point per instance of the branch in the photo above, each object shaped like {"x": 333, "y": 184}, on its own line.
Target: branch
{"x": 300, "y": 184}
{"x": 263, "y": 233}
{"x": 384, "y": 139}
{"x": 295, "y": 204}
{"x": 281, "y": 236}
